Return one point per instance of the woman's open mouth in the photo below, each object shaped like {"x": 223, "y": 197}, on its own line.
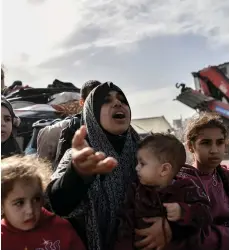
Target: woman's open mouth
{"x": 119, "y": 115}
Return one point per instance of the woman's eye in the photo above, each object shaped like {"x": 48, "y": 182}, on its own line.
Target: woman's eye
{"x": 122, "y": 99}
{"x": 107, "y": 100}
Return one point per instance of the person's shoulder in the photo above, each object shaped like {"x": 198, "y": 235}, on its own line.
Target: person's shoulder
{"x": 225, "y": 171}
{"x": 225, "y": 168}
{"x": 54, "y": 220}
{"x": 75, "y": 120}
{"x": 61, "y": 223}
{"x": 187, "y": 171}
{"x": 184, "y": 181}
{"x": 3, "y": 226}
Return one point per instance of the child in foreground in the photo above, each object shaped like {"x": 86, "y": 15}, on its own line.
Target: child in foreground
{"x": 159, "y": 193}
{"x": 26, "y": 225}
{"x": 206, "y": 137}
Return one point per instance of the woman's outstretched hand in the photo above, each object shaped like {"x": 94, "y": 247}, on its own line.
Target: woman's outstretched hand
{"x": 85, "y": 160}
{"x": 154, "y": 237}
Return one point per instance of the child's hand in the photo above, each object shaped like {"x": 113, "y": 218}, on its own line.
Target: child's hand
{"x": 174, "y": 212}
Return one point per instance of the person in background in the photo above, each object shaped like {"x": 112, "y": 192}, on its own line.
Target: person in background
{"x": 86, "y": 90}
{"x": 4, "y": 88}
{"x": 2, "y": 79}
{"x": 159, "y": 193}
{"x": 48, "y": 137}
{"x": 206, "y": 137}
{"x": 92, "y": 177}
{"x": 25, "y": 224}
{"x": 9, "y": 124}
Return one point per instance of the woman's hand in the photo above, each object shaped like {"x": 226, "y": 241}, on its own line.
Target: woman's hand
{"x": 85, "y": 160}
{"x": 154, "y": 237}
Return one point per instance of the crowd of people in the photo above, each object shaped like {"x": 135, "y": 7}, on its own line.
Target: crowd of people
{"x": 94, "y": 184}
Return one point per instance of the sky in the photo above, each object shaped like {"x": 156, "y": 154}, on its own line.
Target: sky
{"x": 143, "y": 46}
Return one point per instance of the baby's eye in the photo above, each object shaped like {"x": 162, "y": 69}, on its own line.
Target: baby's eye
{"x": 141, "y": 164}
{"x": 37, "y": 199}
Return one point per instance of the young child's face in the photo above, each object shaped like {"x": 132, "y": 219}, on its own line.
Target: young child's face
{"x": 148, "y": 168}
{"x": 6, "y": 124}
{"x": 22, "y": 206}
{"x": 209, "y": 148}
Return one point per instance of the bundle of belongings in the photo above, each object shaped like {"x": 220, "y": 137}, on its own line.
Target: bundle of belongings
{"x": 46, "y": 105}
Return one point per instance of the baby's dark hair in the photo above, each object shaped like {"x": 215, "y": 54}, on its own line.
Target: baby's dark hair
{"x": 202, "y": 121}
{"x": 16, "y": 168}
{"x": 88, "y": 87}
{"x": 167, "y": 148}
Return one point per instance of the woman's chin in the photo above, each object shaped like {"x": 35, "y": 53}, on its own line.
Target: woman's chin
{"x": 119, "y": 129}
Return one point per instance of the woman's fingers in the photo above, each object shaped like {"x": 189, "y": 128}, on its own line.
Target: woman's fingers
{"x": 151, "y": 220}
{"x": 87, "y": 153}
{"x": 100, "y": 155}
{"x": 144, "y": 243}
{"x": 150, "y": 246}
{"x": 79, "y": 156}
{"x": 106, "y": 165}
{"x": 87, "y": 162}
{"x": 78, "y": 141}
{"x": 91, "y": 168}
{"x": 153, "y": 236}
{"x": 96, "y": 166}
{"x": 141, "y": 232}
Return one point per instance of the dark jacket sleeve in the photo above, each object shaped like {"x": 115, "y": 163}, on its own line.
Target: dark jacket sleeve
{"x": 219, "y": 234}
{"x": 217, "y": 239}
{"x": 196, "y": 207}
{"x": 126, "y": 227}
{"x": 196, "y": 213}
{"x": 68, "y": 188}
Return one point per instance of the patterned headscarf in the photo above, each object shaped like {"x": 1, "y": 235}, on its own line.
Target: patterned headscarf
{"x": 107, "y": 192}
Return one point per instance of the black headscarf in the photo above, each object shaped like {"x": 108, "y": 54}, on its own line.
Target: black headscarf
{"x": 98, "y": 95}
{"x": 107, "y": 192}
{"x": 10, "y": 146}
{"x": 97, "y": 98}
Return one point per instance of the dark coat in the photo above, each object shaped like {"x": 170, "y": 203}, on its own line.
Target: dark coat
{"x": 144, "y": 201}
